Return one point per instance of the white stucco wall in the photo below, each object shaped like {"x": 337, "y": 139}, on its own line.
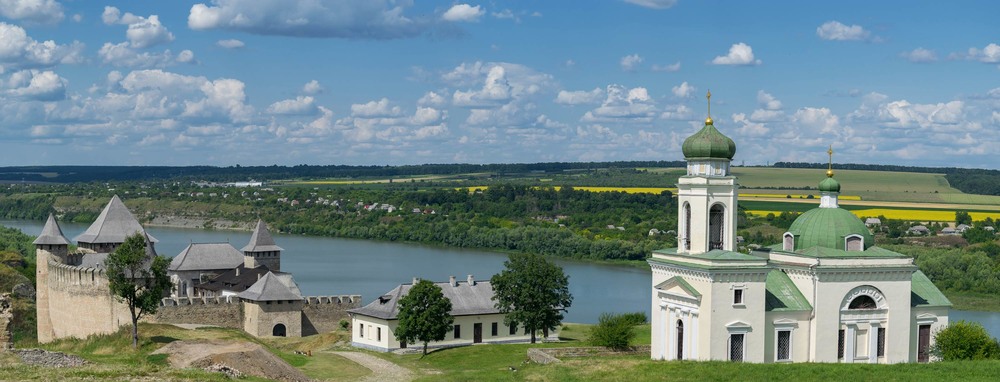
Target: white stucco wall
{"x": 388, "y": 342}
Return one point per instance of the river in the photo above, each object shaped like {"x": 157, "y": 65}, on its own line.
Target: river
{"x": 333, "y": 266}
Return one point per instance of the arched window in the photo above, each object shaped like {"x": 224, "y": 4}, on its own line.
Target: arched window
{"x": 863, "y": 302}
{"x": 687, "y": 227}
{"x": 716, "y": 217}
{"x": 854, "y": 243}
{"x": 788, "y": 244}
{"x": 278, "y": 331}
{"x": 680, "y": 339}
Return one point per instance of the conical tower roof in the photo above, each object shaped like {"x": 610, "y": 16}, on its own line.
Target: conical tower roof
{"x": 261, "y": 240}
{"x": 271, "y": 287}
{"x": 113, "y": 225}
{"x": 51, "y": 234}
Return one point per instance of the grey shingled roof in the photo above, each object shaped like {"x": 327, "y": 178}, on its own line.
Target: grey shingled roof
{"x": 51, "y": 234}
{"x": 261, "y": 240}
{"x": 113, "y": 225}
{"x": 206, "y": 256}
{"x": 273, "y": 287}
{"x": 466, "y": 300}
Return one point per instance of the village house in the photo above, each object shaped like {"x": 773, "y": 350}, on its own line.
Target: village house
{"x": 477, "y": 320}
{"x": 826, "y": 293}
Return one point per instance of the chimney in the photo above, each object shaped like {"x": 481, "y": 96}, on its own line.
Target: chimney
{"x": 415, "y": 280}
{"x": 451, "y": 280}
{"x": 472, "y": 281}
{"x": 237, "y": 271}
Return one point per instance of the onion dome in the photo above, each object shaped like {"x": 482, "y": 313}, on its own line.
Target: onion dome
{"x": 828, "y": 228}
{"x": 829, "y": 185}
{"x": 708, "y": 143}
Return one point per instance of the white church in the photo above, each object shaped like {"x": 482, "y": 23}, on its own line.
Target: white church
{"x": 824, "y": 294}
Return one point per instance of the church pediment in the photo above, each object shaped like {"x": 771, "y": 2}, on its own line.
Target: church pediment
{"x": 677, "y": 286}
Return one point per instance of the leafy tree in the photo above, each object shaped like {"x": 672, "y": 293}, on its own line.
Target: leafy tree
{"x": 963, "y": 217}
{"x": 965, "y": 340}
{"x": 424, "y": 315}
{"x": 531, "y": 292}
{"x": 137, "y": 277}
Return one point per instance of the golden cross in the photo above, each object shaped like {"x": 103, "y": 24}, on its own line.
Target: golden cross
{"x": 709, "y": 97}
{"x": 829, "y": 170}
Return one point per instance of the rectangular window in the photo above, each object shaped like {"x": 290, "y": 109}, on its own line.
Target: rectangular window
{"x": 513, "y": 329}
{"x": 458, "y": 331}
{"x": 737, "y": 296}
{"x": 840, "y": 344}
{"x": 378, "y": 334}
{"x": 736, "y": 347}
{"x": 361, "y": 332}
{"x": 881, "y": 342}
{"x": 493, "y": 329}
{"x": 784, "y": 345}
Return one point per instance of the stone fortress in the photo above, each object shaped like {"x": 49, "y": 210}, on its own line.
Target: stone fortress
{"x": 211, "y": 286}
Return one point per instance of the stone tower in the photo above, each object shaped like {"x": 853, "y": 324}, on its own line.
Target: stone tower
{"x": 51, "y": 245}
{"x": 261, "y": 250}
{"x": 706, "y": 196}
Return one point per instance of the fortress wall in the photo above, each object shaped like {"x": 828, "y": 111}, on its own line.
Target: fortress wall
{"x": 219, "y": 311}
{"x": 80, "y": 302}
{"x": 322, "y": 314}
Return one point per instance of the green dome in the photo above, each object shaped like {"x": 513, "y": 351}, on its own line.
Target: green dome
{"x": 829, "y": 185}
{"x": 709, "y": 143}
{"x": 827, "y": 227}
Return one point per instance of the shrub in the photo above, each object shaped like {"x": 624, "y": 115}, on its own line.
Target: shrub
{"x": 965, "y": 340}
{"x": 635, "y": 318}
{"x": 344, "y": 324}
{"x": 613, "y": 331}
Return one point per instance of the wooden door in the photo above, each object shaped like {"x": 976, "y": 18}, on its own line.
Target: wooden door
{"x": 477, "y": 333}
{"x": 923, "y": 343}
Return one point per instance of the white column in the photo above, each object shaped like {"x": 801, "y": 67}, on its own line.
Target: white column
{"x": 694, "y": 335}
{"x": 873, "y": 342}
{"x": 663, "y": 331}
{"x": 849, "y": 338}
{"x": 671, "y": 334}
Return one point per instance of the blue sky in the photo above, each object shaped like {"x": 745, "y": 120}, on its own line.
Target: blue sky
{"x": 260, "y": 82}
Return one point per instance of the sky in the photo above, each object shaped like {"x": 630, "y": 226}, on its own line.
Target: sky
{"x": 380, "y": 82}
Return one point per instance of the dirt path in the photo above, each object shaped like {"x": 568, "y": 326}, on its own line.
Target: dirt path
{"x": 382, "y": 370}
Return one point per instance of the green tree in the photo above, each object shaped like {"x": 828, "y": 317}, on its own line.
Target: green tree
{"x": 613, "y": 331}
{"x": 963, "y": 217}
{"x": 965, "y": 340}
{"x": 138, "y": 278}
{"x": 424, "y": 315}
{"x": 531, "y": 292}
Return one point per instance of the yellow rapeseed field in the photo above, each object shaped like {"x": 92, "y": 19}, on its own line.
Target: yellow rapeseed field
{"x": 795, "y": 196}
{"x": 629, "y": 190}
{"x": 914, "y": 215}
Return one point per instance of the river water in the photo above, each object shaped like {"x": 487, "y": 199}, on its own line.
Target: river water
{"x": 333, "y": 266}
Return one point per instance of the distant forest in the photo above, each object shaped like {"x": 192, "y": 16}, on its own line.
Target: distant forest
{"x": 972, "y": 181}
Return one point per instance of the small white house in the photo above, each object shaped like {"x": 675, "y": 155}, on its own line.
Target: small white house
{"x": 476, "y": 318}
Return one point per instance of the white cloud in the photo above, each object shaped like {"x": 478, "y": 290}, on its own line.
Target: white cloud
{"x": 18, "y": 50}
{"x": 463, "y": 13}
{"x": 683, "y": 90}
{"x": 748, "y": 127}
{"x": 579, "y": 97}
{"x": 767, "y": 101}
{"x": 522, "y": 80}
{"x": 506, "y": 14}
{"x": 631, "y": 62}
{"x": 147, "y": 32}
{"x": 122, "y": 55}
{"x": 667, "y": 68}
{"x": 374, "y": 19}
{"x": 425, "y": 116}
{"x": 32, "y": 11}
{"x": 653, "y": 4}
{"x": 373, "y": 109}
{"x": 677, "y": 113}
{"x": 312, "y": 87}
{"x": 224, "y": 98}
{"x": 432, "y": 99}
{"x": 623, "y": 104}
{"x": 836, "y": 31}
{"x": 820, "y": 120}
{"x": 37, "y": 85}
{"x": 231, "y": 44}
{"x": 301, "y": 105}
{"x": 920, "y": 55}
{"x": 495, "y": 90}
{"x": 990, "y": 54}
{"x": 739, "y": 54}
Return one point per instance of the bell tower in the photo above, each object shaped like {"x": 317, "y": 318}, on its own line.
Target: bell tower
{"x": 706, "y": 195}
{"x": 51, "y": 245}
